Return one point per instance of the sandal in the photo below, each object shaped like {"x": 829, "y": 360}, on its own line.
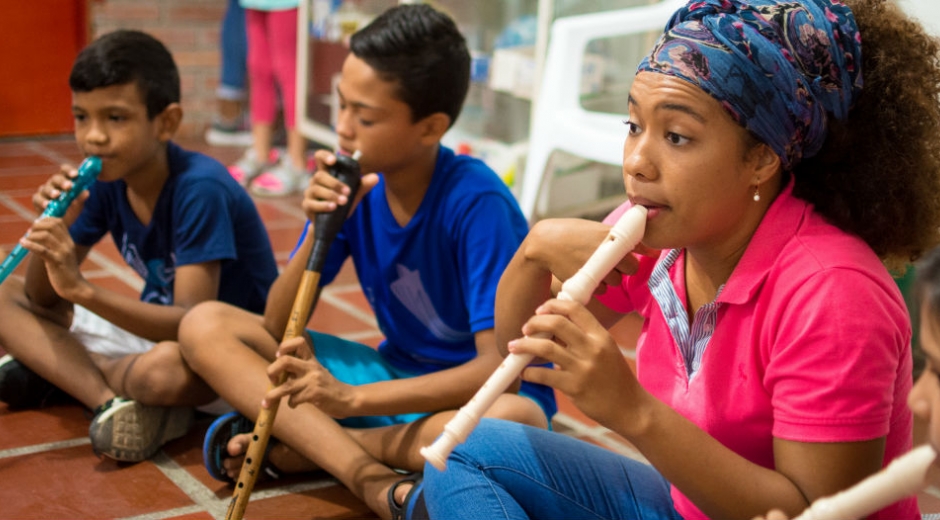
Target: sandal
{"x": 414, "y": 507}
{"x": 215, "y": 447}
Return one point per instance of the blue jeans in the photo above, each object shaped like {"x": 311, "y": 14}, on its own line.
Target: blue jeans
{"x": 507, "y": 470}
{"x": 234, "y": 53}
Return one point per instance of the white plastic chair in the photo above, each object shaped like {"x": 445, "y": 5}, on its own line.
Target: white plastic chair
{"x": 560, "y": 122}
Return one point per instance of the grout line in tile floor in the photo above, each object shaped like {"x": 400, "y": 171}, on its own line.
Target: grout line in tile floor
{"x": 204, "y": 499}
{"x": 17, "y": 208}
{"x": 292, "y": 210}
{"x": 39, "y": 448}
{"x": 287, "y": 215}
{"x": 331, "y": 298}
{"x": 42, "y": 150}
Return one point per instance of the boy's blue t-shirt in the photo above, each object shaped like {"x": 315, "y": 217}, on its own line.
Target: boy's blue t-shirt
{"x": 202, "y": 215}
{"x": 432, "y": 284}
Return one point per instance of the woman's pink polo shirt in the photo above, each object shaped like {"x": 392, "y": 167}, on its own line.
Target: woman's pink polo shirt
{"x": 811, "y": 344}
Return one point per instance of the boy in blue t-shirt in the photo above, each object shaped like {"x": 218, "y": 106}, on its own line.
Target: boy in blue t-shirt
{"x": 429, "y": 237}
{"x": 178, "y": 219}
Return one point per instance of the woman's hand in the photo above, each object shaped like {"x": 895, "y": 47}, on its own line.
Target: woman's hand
{"x": 563, "y": 247}
{"x": 774, "y": 514}
{"x": 588, "y": 365}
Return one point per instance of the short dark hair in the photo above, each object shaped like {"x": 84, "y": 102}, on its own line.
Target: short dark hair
{"x": 126, "y": 56}
{"x": 422, "y": 51}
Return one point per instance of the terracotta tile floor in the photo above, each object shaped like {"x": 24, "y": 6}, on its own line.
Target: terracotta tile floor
{"x": 47, "y": 468}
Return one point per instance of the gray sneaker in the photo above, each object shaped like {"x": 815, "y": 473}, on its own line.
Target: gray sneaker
{"x": 126, "y": 430}
{"x": 249, "y": 167}
{"x": 281, "y": 180}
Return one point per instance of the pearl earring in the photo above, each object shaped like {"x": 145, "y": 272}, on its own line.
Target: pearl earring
{"x": 757, "y": 193}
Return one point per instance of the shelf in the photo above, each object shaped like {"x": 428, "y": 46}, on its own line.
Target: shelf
{"x": 493, "y": 124}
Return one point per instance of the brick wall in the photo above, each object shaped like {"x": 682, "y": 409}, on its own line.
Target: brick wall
{"x": 190, "y": 29}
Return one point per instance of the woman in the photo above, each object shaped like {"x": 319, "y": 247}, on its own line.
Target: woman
{"x": 784, "y": 150}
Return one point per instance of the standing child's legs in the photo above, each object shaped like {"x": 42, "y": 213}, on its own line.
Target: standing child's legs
{"x": 263, "y": 95}
{"x": 233, "y": 75}
{"x": 282, "y": 43}
{"x": 262, "y": 98}
{"x": 230, "y": 124}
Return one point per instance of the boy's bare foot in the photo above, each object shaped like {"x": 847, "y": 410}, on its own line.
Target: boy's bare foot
{"x": 280, "y": 456}
{"x": 401, "y": 491}
{"x": 403, "y": 494}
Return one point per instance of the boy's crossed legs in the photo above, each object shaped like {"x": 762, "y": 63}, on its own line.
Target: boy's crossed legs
{"x": 231, "y": 350}
{"x": 46, "y": 341}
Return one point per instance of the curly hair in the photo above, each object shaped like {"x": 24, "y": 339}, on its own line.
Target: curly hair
{"x": 878, "y": 174}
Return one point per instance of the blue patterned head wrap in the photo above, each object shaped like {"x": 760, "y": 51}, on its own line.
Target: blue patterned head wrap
{"x": 779, "y": 67}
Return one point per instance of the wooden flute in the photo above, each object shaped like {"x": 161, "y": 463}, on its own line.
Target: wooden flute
{"x": 622, "y": 238}
{"x": 326, "y": 227}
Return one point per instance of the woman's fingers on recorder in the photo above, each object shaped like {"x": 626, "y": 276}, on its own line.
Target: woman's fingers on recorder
{"x": 571, "y": 324}
{"x": 542, "y": 338}
{"x": 774, "y": 514}
{"x": 542, "y": 348}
